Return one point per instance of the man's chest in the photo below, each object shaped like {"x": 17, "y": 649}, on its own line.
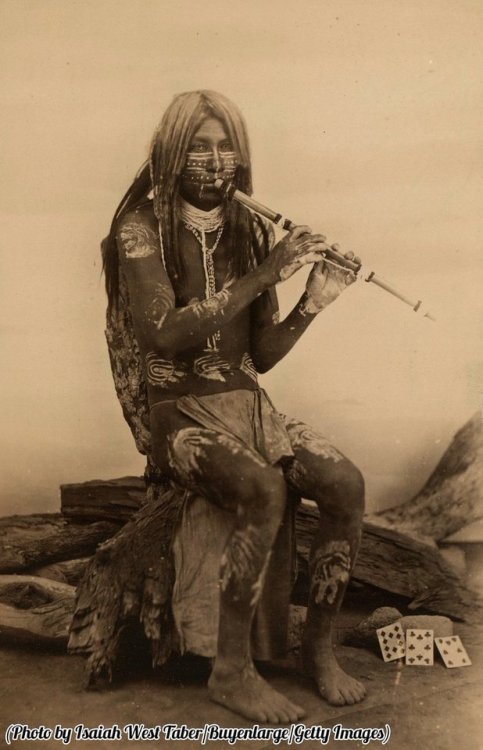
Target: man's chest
{"x": 207, "y": 266}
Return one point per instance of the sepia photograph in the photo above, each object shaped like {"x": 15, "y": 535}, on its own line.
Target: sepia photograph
{"x": 241, "y": 494}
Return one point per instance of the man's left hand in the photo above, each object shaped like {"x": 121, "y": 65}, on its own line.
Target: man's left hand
{"x": 326, "y": 281}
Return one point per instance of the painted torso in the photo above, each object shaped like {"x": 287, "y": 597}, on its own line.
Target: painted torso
{"x": 203, "y": 370}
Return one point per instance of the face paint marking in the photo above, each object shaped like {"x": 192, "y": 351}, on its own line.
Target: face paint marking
{"x": 199, "y": 169}
{"x": 329, "y": 568}
{"x": 138, "y": 240}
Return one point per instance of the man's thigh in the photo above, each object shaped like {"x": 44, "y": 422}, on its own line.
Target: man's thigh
{"x": 218, "y": 466}
{"x": 317, "y": 465}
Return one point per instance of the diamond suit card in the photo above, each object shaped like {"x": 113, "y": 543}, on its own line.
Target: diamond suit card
{"x": 391, "y": 641}
{"x": 452, "y": 651}
{"x": 419, "y": 647}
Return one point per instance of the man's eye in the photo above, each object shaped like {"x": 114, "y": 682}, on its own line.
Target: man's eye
{"x": 197, "y": 148}
{"x": 227, "y": 147}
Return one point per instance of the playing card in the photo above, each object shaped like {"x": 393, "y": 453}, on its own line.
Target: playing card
{"x": 419, "y": 647}
{"x": 452, "y": 651}
{"x": 391, "y": 641}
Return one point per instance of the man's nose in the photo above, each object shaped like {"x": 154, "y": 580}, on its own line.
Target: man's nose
{"x": 215, "y": 161}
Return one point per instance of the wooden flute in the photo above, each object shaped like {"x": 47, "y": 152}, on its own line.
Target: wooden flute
{"x": 232, "y": 193}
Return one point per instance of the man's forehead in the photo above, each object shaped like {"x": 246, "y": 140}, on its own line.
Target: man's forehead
{"x": 211, "y": 128}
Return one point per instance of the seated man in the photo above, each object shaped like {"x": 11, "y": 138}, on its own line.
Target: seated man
{"x": 201, "y": 276}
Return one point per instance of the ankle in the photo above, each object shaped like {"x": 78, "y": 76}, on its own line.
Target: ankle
{"x": 227, "y": 668}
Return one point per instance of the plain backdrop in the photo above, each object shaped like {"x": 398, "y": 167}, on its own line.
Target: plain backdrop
{"x": 365, "y": 122}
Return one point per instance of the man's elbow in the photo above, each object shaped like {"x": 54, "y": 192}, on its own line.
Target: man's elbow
{"x": 162, "y": 345}
{"x": 262, "y": 363}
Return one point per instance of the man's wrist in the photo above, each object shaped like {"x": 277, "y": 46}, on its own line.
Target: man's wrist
{"x": 264, "y": 277}
{"x": 308, "y": 307}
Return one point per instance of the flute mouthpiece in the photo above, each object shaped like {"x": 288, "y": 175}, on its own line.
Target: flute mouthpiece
{"x": 220, "y": 184}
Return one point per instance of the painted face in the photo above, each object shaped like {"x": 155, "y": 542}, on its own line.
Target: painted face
{"x": 211, "y": 155}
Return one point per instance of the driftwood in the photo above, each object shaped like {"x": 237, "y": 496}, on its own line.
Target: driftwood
{"x": 453, "y": 495}
{"x": 130, "y": 577}
{"x": 66, "y": 571}
{"x": 129, "y": 580}
{"x": 34, "y": 609}
{"x": 388, "y": 559}
{"x": 41, "y": 539}
{"x": 114, "y": 499}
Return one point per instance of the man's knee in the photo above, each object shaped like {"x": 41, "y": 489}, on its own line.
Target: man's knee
{"x": 345, "y": 495}
{"x": 265, "y": 494}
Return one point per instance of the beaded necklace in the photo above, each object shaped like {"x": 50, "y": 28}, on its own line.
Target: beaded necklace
{"x": 199, "y": 224}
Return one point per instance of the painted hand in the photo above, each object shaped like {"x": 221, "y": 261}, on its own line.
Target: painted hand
{"x": 295, "y": 250}
{"x": 326, "y": 282}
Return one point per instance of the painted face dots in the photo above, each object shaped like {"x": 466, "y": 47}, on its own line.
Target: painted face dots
{"x": 204, "y": 164}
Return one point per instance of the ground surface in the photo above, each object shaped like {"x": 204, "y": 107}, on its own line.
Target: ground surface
{"x": 425, "y": 707}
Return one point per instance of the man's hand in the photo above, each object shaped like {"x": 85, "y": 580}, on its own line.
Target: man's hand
{"x": 295, "y": 250}
{"x": 326, "y": 282}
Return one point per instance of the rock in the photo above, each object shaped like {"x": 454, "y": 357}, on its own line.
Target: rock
{"x": 442, "y": 626}
{"x": 364, "y": 634}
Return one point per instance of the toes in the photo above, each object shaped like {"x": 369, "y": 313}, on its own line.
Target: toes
{"x": 300, "y": 712}
{"x": 336, "y": 699}
{"x": 273, "y": 717}
{"x": 349, "y": 698}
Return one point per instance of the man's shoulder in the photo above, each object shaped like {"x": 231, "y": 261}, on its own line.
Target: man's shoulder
{"x": 142, "y": 215}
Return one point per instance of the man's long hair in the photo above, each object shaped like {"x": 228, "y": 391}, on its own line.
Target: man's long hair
{"x": 162, "y": 173}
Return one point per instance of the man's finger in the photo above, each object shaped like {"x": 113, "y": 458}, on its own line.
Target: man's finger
{"x": 349, "y": 255}
{"x": 299, "y": 231}
{"x": 317, "y": 238}
{"x": 309, "y": 246}
{"x": 311, "y": 257}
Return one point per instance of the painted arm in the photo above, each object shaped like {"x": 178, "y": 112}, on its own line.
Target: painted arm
{"x": 271, "y": 339}
{"x": 168, "y": 330}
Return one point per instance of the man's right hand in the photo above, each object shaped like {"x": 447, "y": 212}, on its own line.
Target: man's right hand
{"x": 295, "y": 250}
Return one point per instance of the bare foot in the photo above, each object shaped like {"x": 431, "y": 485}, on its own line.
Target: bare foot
{"x": 335, "y": 685}
{"x": 246, "y": 693}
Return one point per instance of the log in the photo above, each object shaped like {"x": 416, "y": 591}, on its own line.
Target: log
{"x": 388, "y": 559}
{"x": 453, "y": 495}
{"x": 131, "y": 576}
{"x": 35, "y": 610}
{"x": 117, "y": 592}
{"x": 67, "y": 571}
{"x": 41, "y": 539}
{"x": 97, "y": 500}
{"x": 129, "y": 580}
